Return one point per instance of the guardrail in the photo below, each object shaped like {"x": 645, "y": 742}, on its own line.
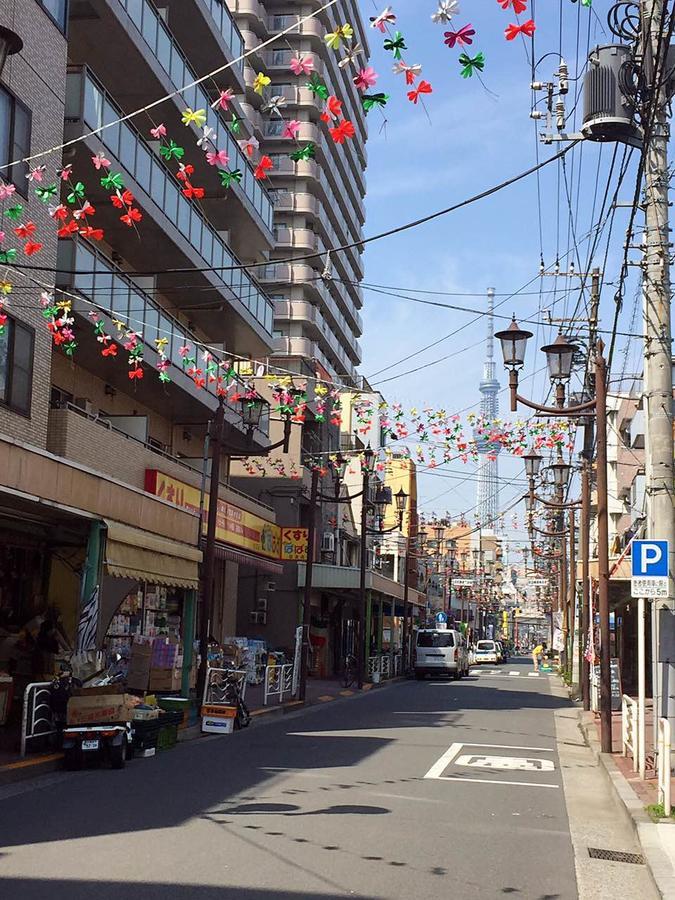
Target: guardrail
{"x": 630, "y": 736}
{"x": 279, "y": 680}
{"x": 663, "y": 765}
{"x": 36, "y": 720}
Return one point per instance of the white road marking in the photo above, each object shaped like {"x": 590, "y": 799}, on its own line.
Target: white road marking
{"x": 442, "y": 764}
{"x": 495, "y": 781}
{"x": 534, "y": 674}
{"x": 514, "y": 674}
{"x": 505, "y": 763}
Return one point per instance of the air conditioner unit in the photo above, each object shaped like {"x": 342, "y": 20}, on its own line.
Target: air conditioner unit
{"x": 328, "y": 542}
{"x": 271, "y": 587}
{"x": 261, "y": 604}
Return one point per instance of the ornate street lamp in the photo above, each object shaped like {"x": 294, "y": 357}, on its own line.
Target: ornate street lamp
{"x": 532, "y": 464}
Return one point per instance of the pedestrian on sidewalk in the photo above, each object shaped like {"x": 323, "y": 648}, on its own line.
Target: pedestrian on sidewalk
{"x": 537, "y": 655}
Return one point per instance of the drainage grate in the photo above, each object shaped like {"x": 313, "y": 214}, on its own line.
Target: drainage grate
{"x": 616, "y": 856}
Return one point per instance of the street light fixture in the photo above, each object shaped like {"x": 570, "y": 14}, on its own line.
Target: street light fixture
{"x": 10, "y": 43}
{"x": 561, "y": 473}
{"x": 559, "y": 357}
{"x": 514, "y": 342}
{"x": 251, "y": 411}
{"x": 401, "y": 501}
{"x": 532, "y": 464}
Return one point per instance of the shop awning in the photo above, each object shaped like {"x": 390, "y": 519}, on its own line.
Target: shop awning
{"x": 249, "y": 559}
{"x": 133, "y": 553}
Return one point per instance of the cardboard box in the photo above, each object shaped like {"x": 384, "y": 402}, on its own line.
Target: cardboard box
{"x": 99, "y": 709}
{"x": 165, "y": 679}
{"x": 139, "y": 666}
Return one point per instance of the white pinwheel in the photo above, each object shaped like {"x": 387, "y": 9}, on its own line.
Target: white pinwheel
{"x": 446, "y": 10}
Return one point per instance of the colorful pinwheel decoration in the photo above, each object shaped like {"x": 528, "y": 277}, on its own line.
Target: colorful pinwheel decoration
{"x": 396, "y": 45}
{"x": 461, "y": 38}
{"x": 471, "y": 64}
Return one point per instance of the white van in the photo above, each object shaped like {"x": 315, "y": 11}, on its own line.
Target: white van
{"x": 486, "y": 652}
{"x": 440, "y": 652}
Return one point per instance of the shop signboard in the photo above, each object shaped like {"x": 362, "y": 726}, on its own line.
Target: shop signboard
{"x": 649, "y": 569}
{"x": 234, "y": 526}
{"x": 294, "y": 543}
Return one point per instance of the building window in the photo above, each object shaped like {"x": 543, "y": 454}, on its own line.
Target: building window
{"x": 57, "y": 10}
{"x": 16, "y": 366}
{"x": 15, "y": 128}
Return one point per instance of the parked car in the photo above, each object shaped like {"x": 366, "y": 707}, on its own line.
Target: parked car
{"x": 486, "y": 652}
{"x": 441, "y": 652}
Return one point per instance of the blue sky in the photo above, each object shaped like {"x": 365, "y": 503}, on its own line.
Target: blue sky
{"x": 479, "y": 135}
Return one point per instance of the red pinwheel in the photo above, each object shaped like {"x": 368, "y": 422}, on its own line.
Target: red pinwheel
{"x": 132, "y": 215}
{"x": 332, "y": 110}
{"x": 66, "y": 230}
{"x": 422, "y": 88}
{"x": 95, "y": 234}
{"x": 110, "y": 350}
{"x": 126, "y": 198}
{"x": 461, "y": 38}
{"x": 341, "y": 132}
{"x": 193, "y": 193}
{"x": 263, "y": 167}
{"x": 527, "y": 28}
{"x": 136, "y": 373}
{"x": 32, "y": 247}
{"x": 25, "y": 231}
{"x": 518, "y": 5}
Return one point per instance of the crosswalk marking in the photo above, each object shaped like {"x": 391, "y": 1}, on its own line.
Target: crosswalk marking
{"x": 502, "y": 673}
{"x": 516, "y": 674}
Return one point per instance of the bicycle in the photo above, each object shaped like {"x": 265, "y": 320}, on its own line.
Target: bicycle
{"x": 349, "y": 674}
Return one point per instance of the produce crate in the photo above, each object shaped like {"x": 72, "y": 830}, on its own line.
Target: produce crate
{"x": 146, "y": 734}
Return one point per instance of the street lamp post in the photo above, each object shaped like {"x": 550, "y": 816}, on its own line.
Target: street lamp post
{"x": 560, "y": 357}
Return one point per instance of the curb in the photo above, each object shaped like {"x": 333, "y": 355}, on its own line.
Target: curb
{"x": 31, "y": 767}
{"x": 647, "y": 832}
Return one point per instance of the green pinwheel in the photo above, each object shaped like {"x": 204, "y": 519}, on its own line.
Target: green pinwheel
{"x": 317, "y": 87}
{"x": 370, "y": 101}
{"x": 46, "y": 193}
{"x": 471, "y": 64}
{"x": 70, "y": 348}
{"x": 14, "y": 212}
{"x": 226, "y": 178}
{"x": 235, "y": 124}
{"x": 304, "y": 153}
{"x": 76, "y": 194}
{"x": 397, "y": 44}
{"x": 172, "y": 151}
{"x": 7, "y": 256}
{"x": 112, "y": 182}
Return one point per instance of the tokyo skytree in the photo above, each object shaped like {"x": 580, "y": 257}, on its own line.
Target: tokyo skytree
{"x": 488, "y": 466}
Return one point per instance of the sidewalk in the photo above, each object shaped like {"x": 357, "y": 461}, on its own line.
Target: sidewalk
{"x": 318, "y": 691}
{"x": 657, "y": 839}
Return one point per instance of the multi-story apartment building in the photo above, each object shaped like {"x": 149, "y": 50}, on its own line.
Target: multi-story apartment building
{"x": 101, "y": 480}
{"x": 319, "y": 202}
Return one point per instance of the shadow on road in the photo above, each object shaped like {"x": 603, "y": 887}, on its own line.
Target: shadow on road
{"x": 58, "y": 889}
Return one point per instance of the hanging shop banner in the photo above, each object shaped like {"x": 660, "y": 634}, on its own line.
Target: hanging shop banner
{"x": 234, "y": 526}
{"x": 294, "y": 543}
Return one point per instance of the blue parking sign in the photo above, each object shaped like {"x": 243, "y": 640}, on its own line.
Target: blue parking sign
{"x": 649, "y": 559}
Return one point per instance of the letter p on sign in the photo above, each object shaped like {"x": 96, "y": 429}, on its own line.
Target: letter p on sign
{"x": 650, "y": 559}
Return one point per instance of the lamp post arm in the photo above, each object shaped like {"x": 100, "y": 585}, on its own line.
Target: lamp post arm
{"x": 553, "y": 505}
{"x": 588, "y": 407}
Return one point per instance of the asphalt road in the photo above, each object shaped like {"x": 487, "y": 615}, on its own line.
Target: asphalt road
{"x": 328, "y": 803}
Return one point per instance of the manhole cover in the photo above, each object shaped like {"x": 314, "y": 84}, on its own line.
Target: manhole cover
{"x": 616, "y": 856}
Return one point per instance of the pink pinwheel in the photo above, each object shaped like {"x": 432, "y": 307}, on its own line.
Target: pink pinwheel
{"x": 302, "y": 65}
{"x": 225, "y": 98}
{"x": 6, "y": 190}
{"x": 158, "y": 132}
{"x": 462, "y": 38}
{"x": 291, "y": 129}
{"x": 37, "y": 173}
{"x": 100, "y": 161}
{"x": 366, "y": 78}
{"x": 220, "y": 158}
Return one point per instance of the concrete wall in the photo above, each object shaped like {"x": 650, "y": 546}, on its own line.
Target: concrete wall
{"x": 37, "y": 77}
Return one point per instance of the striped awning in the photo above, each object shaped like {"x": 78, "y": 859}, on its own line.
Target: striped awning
{"x": 251, "y": 560}
{"x": 140, "y": 555}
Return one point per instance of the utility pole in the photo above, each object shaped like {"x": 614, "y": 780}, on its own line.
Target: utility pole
{"x": 603, "y": 552}
{"x": 209, "y": 563}
{"x": 658, "y": 383}
{"x": 309, "y": 569}
{"x": 363, "y": 644}
{"x": 586, "y": 581}
{"x": 572, "y": 595}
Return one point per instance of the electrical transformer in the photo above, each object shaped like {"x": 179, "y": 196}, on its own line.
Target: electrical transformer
{"x": 609, "y": 96}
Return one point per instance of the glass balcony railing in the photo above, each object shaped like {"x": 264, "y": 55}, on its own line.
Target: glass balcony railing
{"x": 110, "y": 290}
{"x": 172, "y": 59}
{"x": 127, "y": 145}
{"x": 228, "y": 28}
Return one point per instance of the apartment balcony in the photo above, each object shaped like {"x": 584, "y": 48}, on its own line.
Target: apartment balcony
{"x": 295, "y": 346}
{"x": 155, "y": 65}
{"x": 208, "y": 34}
{"x": 303, "y": 275}
{"x": 336, "y": 337}
{"x": 115, "y": 296}
{"x": 175, "y": 233}
{"x": 95, "y": 442}
{"x": 253, "y": 10}
{"x": 288, "y": 237}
